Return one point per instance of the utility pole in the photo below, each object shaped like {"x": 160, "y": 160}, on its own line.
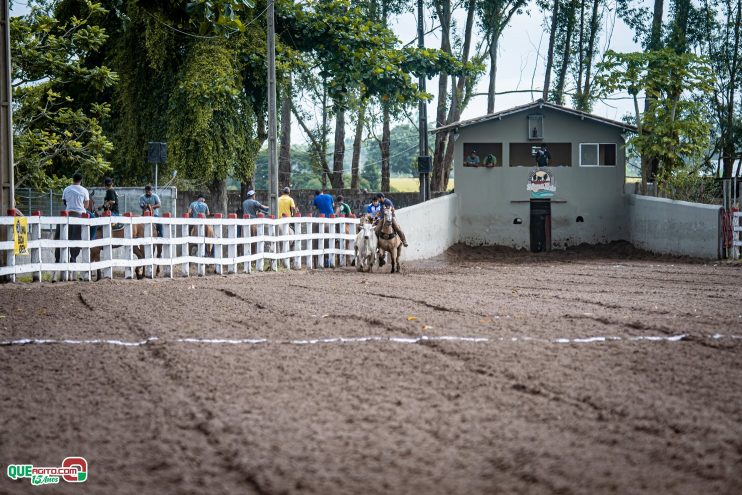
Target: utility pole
{"x": 423, "y": 160}
{"x": 272, "y": 131}
{"x": 7, "y": 186}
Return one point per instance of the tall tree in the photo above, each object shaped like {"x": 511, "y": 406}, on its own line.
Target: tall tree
{"x": 284, "y": 154}
{"x": 550, "y": 50}
{"x": 443, "y": 13}
{"x": 494, "y": 17}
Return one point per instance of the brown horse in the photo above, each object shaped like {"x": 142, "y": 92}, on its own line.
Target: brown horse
{"x": 137, "y": 232}
{"x": 389, "y": 240}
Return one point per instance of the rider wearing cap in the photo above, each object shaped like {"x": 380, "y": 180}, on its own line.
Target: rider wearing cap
{"x": 387, "y": 203}
{"x": 252, "y": 206}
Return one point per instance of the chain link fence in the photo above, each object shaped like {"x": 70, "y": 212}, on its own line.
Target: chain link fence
{"x": 49, "y": 203}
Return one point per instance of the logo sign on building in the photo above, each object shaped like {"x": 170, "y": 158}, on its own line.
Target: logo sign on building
{"x": 20, "y": 236}
{"x": 541, "y": 183}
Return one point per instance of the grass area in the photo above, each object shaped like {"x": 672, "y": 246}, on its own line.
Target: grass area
{"x": 410, "y": 184}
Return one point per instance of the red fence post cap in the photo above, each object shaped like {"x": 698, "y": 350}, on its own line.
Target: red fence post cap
{"x": 341, "y": 215}
{"x": 147, "y": 213}
{"x": 11, "y": 212}
{"x": 107, "y": 213}
{"x": 284, "y": 215}
{"x": 260, "y": 215}
{"x": 322, "y": 215}
{"x": 201, "y": 215}
{"x": 217, "y": 215}
{"x": 128, "y": 214}
{"x": 185, "y": 215}
{"x": 64, "y": 213}
{"x": 352, "y": 215}
{"x": 272, "y": 217}
{"x": 232, "y": 215}
{"x": 167, "y": 215}
{"x": 85, "y": 215}
{"x": 37, "y": 213}
{"x": 297, "y": 215}
{"x": 245, "y": 215}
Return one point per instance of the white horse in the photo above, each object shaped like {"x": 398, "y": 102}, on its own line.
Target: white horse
{"x": 366, "y": 245}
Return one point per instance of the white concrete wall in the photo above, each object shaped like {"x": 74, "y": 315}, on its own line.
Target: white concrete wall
{"x": 430, "y": 227}
{"x": 667, "y": 226}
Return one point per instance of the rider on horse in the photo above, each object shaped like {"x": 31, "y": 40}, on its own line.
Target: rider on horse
{"x": 387, "y": 203}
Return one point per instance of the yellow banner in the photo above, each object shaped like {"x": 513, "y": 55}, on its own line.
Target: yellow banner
{"x": 20, "y": 236}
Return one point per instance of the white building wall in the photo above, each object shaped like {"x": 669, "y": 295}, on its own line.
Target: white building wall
{"x": 430, "y": 227}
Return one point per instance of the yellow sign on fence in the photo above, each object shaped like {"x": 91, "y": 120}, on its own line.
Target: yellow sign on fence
{"x": 20, "y": 236}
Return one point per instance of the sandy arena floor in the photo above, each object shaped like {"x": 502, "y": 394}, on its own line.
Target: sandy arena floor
{"x": 525, "y": 409}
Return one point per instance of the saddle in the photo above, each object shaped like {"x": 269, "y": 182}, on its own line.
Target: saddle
{"x": 387, "y": 237}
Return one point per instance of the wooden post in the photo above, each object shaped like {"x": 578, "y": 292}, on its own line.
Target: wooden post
{"x": 352, "y": 242}
{"x": 148, "y": 249}
{"x": 85, "y": 252}
{"x": 200, "y": 267}
{"x": 260, "y": 261}
{"x": 129, "y": 271}
{"x": 247, "y": 245}
{"x": 217, "y": 248}
{"x": 274, "y": 245}
{"x": 185, "y": 248}
{"x": 35, "y": 237}
{"x": 309, "y": 243}
{"x": 64, "y": 252}
{"x": 341, "y": 231}
{"x": 232, "y": 246}
{"x": 106, "y": 253}
{"x": 167, "y": 248}
{"x": 297, "y": 244}
{"x": 285, "y": 231}
{"x": 10, "y": 236}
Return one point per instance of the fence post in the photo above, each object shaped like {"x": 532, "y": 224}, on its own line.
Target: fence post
{"x": 10, "y": 236}
{"x": 285, "y": 229}
{"x": 247, "y": 246}
{"x": 217, "y": 248}
{"x": 35, "y": 235}
{"x": 167, "y": 250}
{"x": 273, "y": 244}
{"x": 64, "y": 252}
{"x": 332, "y": 242}
{"x": 352, "y": 230}
{"x": 129, "y": 248}
{"x": 148, "y": 251}
{"x": 232, "y": 246}
{"x": 297, "y": 244}
{"x": 185, "y": 248}
{"x": 341, "y": 231}
{"x": 85, "y": 236}
{"x": 309, "y": 242}
{"x": 106, "y": 253}
{"x": 200, "y": 267}
{"x": 260, "y": 262}
{"x": 736, "y": 245}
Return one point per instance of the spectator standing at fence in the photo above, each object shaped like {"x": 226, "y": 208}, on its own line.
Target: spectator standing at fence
{"x": 198, "y": 206}
{"x": 323, "y": 203}
{"x": 111, "y": 199}
{"x": 252, "y": 206}
{"x": 286, "y": 204}
{"x": 76, "y": 201}
{"x": 149, "y": 201}
{"x": 341, "y": 207}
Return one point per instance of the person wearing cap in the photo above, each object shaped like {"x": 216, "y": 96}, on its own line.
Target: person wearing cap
{"x": 149, "y": 201}
{"x": 473, "y": 159}
{"x": 252, "y": 206}
{"x": 323, "y": 203}
{"x": 198, "y": 206}
{"x": 111, "y": 199}
{"x": 387, "y": 203}
{"x": 373, "y": 207}
{"x": 286, "y": 204}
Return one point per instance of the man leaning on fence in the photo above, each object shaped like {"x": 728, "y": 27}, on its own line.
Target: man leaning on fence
{"x": 149, "y": 201}
{"x": 76, "y": 201}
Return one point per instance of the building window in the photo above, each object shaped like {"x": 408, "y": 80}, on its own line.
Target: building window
{"x": 535, "y": 127}
{"x": 524, "y": 154}
{"x": 482, "y": 155}
{"x": 597, "y": 154}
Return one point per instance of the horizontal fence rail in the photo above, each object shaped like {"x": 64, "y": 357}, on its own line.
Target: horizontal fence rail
{"x": 229, "y": 245}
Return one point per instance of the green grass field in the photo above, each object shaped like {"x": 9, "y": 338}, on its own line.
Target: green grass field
{"x": 410, "y": 184}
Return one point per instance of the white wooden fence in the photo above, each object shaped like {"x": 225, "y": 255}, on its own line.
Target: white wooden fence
{"x": 239, "y": 245}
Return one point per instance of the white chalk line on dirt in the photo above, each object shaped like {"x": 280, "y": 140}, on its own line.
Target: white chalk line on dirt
{"x": 360, "y": 340}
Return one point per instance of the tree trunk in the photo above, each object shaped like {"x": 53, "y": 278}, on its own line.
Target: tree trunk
{"x": 338, "y": 155}
{"x": 493, "y": 71}
{"x": 655, "y": 43}
{"x": 444, "y": 15}
{"x": 728, "y": 151}
{"x": 218, "y": 200}
{"x": 384, "y": 145}
{"x": 550, "y": 53}
{"x": 580, "y": 50}
{"x": 284, "y": 155}
{"x": 585, "y": 101}
{"x": 562, "y": 77}
{"x": 357, "y": 143}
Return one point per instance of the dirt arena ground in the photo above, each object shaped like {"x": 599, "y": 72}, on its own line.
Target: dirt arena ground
{"x": 655, "y": 409}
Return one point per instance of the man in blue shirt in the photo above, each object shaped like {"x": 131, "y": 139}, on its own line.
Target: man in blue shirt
{"x": 387, "y": 203}
{"x": 373, "y": 208}
{"x": 198, "y": 206}
{"x": 324, "y": 204}
{"x": 151, "y": 201}
{"x": 252, "y": 206}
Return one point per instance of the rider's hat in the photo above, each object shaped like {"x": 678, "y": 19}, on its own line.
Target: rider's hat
{"x": 380, "y": 195}
{"x": 250, "y": 193}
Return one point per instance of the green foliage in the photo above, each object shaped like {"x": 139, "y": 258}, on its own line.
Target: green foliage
{"x": 403, "y": 151}
{"x": 209, "y": 119}
{"x": 54, "y": 133}
{"x": 676, "y": 127}
{"x": 688, "y": 184}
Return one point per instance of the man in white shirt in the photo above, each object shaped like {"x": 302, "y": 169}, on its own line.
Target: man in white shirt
{"x": 76, "y": 201}
{"x": 76, "y": 198}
